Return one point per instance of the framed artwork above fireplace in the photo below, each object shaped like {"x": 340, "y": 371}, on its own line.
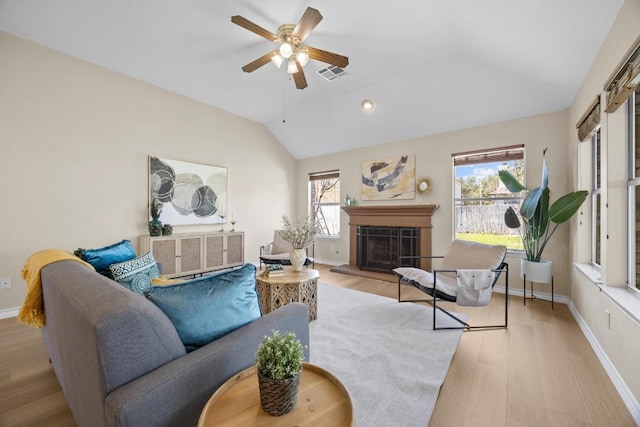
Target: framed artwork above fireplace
{"x": 389, "y": 179}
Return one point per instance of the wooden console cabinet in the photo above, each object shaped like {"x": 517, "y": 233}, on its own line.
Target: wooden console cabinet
{"x": 195, "y": 253}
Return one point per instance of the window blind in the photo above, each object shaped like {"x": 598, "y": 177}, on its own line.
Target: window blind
{"x": 317, "y": 176}
{"x": 512, "y": 152}
{"x": 589, "y": 120}
{"x": 625, "y": 81}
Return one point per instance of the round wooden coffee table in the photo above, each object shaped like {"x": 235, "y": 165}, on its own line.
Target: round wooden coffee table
{"x": 300, "y": 286}
{"x": 322, "y": 400}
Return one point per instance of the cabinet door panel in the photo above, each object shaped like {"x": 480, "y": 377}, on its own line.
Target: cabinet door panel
{"x": 190, "y": 254}
{"x": 235, "y": 249}
{"x": 214, "y": 252}
{"x": 165, "y": 252}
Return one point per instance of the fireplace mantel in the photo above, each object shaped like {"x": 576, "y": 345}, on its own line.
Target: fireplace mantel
{"x": 391, "y": 216}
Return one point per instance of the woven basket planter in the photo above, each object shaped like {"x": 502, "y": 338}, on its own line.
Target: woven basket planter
{"x": 278, "y": 397}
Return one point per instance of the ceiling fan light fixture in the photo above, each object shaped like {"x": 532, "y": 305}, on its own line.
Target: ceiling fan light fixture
{"x": 286, "y": 50}
{"x": 292, "y": 67}
{"x": 303, "y": 56}
{"x": 367, "y": 105}
{"x": 277, "y": 60}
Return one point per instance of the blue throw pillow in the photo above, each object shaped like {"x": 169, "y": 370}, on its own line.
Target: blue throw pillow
{"x": 207, "y": 308}
{"x": 136, "y": 274}
{"x": 102, "y": 258}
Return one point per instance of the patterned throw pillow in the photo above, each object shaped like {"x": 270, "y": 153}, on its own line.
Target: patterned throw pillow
{"x": 136, "y": 274}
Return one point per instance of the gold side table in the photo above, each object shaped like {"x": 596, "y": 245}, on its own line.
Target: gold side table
{"x": 294, "y": 286}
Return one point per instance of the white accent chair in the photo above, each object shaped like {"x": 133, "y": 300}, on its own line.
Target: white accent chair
{"x": 461, "y": 279}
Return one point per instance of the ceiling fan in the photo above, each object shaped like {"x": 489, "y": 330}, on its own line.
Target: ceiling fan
{"x": 290, "y": 38}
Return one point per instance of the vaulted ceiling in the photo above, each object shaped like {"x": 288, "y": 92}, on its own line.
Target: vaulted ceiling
{"x": 430, "y": 66}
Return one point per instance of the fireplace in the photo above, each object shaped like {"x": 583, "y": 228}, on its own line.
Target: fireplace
{"x": 380, "y": 247}
{"x": 399, "y": 217}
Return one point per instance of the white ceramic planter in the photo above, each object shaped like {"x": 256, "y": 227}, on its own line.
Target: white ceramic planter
{"x": 539, "y": 272}
{"x": 297, "y": 258}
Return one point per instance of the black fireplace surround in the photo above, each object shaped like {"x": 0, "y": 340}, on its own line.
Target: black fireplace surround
{"x": 380, "y": 247}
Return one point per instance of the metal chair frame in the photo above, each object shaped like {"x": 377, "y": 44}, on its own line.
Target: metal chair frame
{"x": 439, "y": 295}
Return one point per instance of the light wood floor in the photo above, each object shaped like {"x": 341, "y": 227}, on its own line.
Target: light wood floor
{"x": 539, "y": 372}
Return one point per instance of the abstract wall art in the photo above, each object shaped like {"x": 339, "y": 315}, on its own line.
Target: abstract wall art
{"x": 389, "y": 179}
{"x": 190, "y": 193}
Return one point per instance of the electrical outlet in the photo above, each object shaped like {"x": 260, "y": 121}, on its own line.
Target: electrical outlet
{"x": 5, "y": 282}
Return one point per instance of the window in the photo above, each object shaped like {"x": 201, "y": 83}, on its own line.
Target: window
{"x": 633, "y": 187}
{"x": 324, "y": 202}
{"x": 480, "y": 198}
{"x": 595, "y": 197}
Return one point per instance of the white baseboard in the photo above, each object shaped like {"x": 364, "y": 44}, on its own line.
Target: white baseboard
{"x": 518, "y": 292}
{"x": 625, "y": 393}
{"x": 9, "y": 312}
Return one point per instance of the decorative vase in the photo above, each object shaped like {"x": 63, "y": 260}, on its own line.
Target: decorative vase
{"x": 278, "y": 397}
{"x": 536, "y": 271}
{"x": 155, "y": 227}
{"x": 297, "y": 258}
{"x": 167, "y": 230}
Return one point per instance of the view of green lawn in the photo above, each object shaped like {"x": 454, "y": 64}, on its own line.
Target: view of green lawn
{"x": 510, "y": 241}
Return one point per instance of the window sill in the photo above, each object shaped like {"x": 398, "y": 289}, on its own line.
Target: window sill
{"x": 590, "y": 271}
{"x": 327, "y": 237}
{"x": 627, "y": 299}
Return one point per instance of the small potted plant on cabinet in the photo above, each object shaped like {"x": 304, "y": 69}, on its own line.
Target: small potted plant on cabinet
{"x": 537, "y": 214}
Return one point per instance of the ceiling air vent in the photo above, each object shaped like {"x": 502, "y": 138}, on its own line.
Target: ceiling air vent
{"x": 331, "y": 73}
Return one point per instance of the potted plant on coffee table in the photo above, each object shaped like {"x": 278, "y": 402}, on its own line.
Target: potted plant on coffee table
{"x": 279, "y": 363}
{"x": 537, "y": 216}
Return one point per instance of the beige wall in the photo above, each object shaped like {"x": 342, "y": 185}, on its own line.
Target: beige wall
{"x": 621, "y": 340}
{"x": 433, "y": 159}
{"x": 74, "y": 142}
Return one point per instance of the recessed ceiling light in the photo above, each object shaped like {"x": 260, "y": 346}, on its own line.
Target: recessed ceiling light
{"x": 367, "y": 105}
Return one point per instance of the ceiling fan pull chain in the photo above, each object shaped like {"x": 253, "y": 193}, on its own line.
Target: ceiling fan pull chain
{"x": 284, "y": 103}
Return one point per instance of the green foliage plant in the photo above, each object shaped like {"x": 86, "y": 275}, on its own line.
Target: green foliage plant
{"x": 280, "y": 357}
{"x": 300, "y": 233}
{"x": 537, "y": 214}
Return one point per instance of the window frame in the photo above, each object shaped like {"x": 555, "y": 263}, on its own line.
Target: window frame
{"x": 596, "y": 196}
{"x": 633, "y": 184}
{"x": 322, "y": 176}
{"x": 490, "y": 156}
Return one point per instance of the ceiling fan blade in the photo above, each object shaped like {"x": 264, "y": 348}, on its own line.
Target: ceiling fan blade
{"x": 328, "y": 57}
{"x": 299, "y": 78}
{"x": 245, "y": 23}
{"x": 307, "y": 23}
{"x": 264, "y": 59}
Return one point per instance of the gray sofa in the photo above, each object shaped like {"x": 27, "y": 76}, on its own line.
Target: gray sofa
{"x": 120, "y": 361}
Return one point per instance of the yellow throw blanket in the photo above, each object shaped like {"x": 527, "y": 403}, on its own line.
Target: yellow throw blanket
{"x": 32, "y": 310}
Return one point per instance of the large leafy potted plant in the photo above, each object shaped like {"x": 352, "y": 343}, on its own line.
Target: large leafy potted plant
{"x": 539, "y": 219}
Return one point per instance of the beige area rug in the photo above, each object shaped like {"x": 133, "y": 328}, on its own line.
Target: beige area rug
{"x": 384, "y": 352}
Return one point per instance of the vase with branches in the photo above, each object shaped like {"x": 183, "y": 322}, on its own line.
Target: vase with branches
{"x": 300, "y": 233}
